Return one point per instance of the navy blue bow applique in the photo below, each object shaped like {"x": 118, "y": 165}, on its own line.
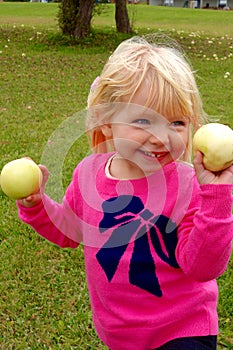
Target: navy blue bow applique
{"x": 127, "y": 217}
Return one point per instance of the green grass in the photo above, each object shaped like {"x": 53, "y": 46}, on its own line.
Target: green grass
{"x": 40, "y": 14}
{"x": 45, "y": 79}
{"x": 207, "y": 21}
{"x": 142, "y": 16}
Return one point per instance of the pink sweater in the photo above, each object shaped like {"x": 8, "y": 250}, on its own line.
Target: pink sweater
{"x": 153, "y": 249}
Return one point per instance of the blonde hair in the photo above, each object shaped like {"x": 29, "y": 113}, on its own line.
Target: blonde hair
{"x": 171, "y": 86}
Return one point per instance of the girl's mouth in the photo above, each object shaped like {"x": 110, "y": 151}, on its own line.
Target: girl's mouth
{"x": 154, "y": 155}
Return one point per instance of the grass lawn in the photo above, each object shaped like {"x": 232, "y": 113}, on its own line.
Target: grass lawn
{"x": 45, "y": 79}
{"x": 142, "y": 16}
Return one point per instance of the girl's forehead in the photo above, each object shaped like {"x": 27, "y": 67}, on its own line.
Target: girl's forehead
{"x": 144, "y": 95}
{"x": 163, "y": 102}
{"x": 139, "y": 97}
{"x": 131, "y": 111}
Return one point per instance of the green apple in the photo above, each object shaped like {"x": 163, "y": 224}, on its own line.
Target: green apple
{"x": 215, "y": 141}
{"x": 20, "y": 178}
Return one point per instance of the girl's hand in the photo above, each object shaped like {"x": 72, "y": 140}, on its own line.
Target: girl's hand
{"x": 36, "y": 198}
{"x": 205, "y": 176}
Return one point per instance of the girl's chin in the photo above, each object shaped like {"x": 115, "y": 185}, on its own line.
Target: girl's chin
{"x": 146, "y": 169}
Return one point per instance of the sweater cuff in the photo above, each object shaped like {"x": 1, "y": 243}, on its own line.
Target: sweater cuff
{"x": 217, "y": 200}
{"x": 26, "y": 213}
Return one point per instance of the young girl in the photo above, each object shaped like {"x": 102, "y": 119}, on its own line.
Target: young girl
{"x": 156, "y": 232}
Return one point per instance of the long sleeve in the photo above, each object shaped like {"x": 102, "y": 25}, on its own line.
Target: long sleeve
{"x": 56, "y": 222}
{"x": 205, "y": 242}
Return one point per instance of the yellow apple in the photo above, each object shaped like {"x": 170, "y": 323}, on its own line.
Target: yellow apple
{"x": 20, "y": 178}
{"x": 215, "y": 141}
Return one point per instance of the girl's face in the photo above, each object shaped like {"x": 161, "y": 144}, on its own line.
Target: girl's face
{"x": 144, "y": 140}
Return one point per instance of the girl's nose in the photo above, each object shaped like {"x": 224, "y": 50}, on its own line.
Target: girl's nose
{"x": 159, "y": 136}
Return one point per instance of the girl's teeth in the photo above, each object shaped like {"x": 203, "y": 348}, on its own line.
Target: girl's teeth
{"x": 153, "y": 155}
{"x": 150, "y": 154}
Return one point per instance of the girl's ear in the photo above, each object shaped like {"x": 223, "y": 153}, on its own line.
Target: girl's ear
{"x": 107, "y": 130}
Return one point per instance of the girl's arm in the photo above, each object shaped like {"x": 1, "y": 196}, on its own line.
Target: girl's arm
{"x": 206, "y": 233}
{"x": 55, "y": 222}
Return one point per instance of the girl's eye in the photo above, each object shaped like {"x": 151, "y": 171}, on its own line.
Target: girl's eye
{"x": 141, "y": 122}
{"x": 178, "y": 123}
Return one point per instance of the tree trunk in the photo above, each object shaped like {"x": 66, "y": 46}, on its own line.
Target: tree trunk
{"x": 84, "y": 16}
{"x": 67, "y": 14}
{"x": 121, "y": 17}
